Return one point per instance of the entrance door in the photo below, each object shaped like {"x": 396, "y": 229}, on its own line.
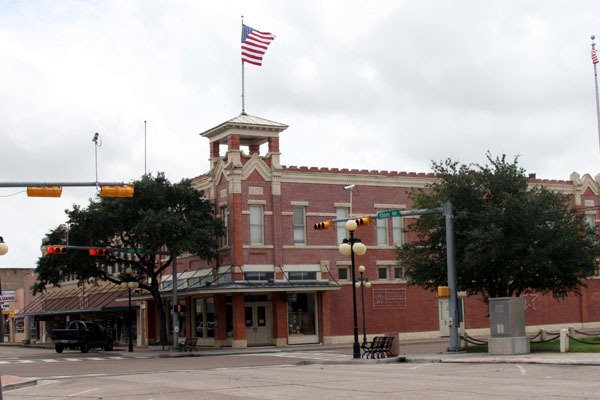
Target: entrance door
{"x": 258, "y": 323}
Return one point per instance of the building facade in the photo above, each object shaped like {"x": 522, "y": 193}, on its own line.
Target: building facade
{"x": 279, "y": 282}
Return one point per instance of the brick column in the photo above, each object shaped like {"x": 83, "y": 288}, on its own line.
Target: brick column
{"x": 280, "y": 319}
{"x": 221, "y": 320}
{"x": 214, "y": 149}
{"x": 274, "y": 145}
{"x": 239, "y": 322}
{"x": 233, "y": 142}
{"x": 324, "y": 308}
{"x": 254, "y": 149}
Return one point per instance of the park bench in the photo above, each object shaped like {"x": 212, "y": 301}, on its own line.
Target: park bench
{"x": 380, "y": 347}
{"x": 189, "y": 344}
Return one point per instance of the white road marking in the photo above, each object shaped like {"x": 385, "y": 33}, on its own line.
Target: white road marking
{"x": 96, "y": 358}
{"x": 4, "y": 362}
{"x": 522, "y": 370}
{"x": 422, "y": 365}
{"x": 82, "y": 392}
{"x": 49, "y": 360}
{"x": 25, "y": 361}
{"x": 254, "y": 367}
{"x": 117, "y": 358}
{"x": 73, "y": 359}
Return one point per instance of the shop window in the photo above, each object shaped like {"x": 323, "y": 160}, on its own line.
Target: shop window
{"x": 167, "y": 285}
{"x": 301, "y": 314}
{"x": 259, "y": 276}
{"x": 302, "y": 276}
{"x": 205, "y": 318}
{"x": 194, "y": 282}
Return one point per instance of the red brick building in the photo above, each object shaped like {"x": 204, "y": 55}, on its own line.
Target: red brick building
{"x": 277, "y": 281}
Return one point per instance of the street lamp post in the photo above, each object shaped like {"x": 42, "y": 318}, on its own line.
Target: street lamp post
{"x": 363, "y": 282}
{"x": 350, "y": 247}
{"x": 129, "y": 282}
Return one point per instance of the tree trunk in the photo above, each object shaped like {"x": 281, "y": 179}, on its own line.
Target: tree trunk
{"x": 160, "y": 308}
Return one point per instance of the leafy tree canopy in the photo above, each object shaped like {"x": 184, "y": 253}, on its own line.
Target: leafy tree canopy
{"x": 161, "y": 217}
{"x": 510, "y": 237}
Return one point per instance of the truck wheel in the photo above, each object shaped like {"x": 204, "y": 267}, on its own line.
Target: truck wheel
{"x": 109, "y": 346}
{"x": 59, "y": 348}
{"x": 84, "y": 347}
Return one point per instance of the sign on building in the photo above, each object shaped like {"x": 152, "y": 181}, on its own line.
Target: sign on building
{"x": 8, "y": 295}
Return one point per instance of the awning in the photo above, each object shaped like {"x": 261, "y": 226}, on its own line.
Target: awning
{"x": 246, "y": 287}
{"x": 93, "y": 299}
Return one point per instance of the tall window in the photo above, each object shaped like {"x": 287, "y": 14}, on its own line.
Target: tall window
{"x": 225, "y": 219}
{"x": 256, "y": 224}
{"x": 397, "y": 227}
{"x": 299, "y": 225}
{"x": 341, "y": 212}
{"x": 382, "y": 232}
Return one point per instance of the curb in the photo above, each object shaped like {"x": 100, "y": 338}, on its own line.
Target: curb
{"x": 17, "y": 383}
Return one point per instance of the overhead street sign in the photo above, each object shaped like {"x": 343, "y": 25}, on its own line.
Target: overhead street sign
{"x": 389, "y": 214}
{"x": 130, "y": 250}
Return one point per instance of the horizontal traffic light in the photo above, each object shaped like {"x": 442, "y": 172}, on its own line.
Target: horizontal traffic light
{"x": 117, "y": 191}
{"x": 53, "y": 249}
{"x": 44, "y": 191}
{"x": 323, "y": 225}
{"x": 366, "y": 220}
{"x": 99, "y": 251}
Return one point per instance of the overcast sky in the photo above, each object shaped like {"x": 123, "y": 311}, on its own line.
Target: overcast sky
{"x": 386, "y": 85}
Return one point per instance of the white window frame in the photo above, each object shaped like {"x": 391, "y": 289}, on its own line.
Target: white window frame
{"x": 299, "y": 227}
{"x": 398, "y": 230}
{"x": 340, "y": 213}
{"x": 225, "y": 219}
{"x": 257, "y": 224}
{"x": 382, "y": 232}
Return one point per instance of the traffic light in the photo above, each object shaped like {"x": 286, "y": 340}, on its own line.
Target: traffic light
{"x": 116, "y": 191}
{"x": 54, "y": 249}
{"x": 44, "y": 191}
{"x": 323, "y": 225}
{"x": 366, "y": 220}
{"x": 99, "y": 251}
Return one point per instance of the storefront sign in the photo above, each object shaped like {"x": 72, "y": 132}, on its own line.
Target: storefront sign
{"x": 8, "y": 295}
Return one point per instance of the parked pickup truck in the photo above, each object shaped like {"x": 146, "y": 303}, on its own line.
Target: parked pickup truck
{"x": 82, "y": 335}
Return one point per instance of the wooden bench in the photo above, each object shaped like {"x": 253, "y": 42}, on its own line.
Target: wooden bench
{"x": 189, "y": 344}
{"x": 380, "y": 347}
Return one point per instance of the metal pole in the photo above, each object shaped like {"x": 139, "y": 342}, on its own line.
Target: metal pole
{"x": 362, "y": 293}
{"x": 243, "y": 97}
{"x": 130, "y": 322}
{"x": 145, "y": 148}
{"x": 451, "y": 260}
{"x": 1, "y": 314}
{"x": 356, "y": 348}
{"x": 174, "y": 306}
{"x": 596, "y": 84}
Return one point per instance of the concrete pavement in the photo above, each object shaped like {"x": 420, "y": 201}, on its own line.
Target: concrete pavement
{"x": 428, "y": 351}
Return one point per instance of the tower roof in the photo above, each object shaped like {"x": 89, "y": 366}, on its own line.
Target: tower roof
{"x": 250, "y": 129}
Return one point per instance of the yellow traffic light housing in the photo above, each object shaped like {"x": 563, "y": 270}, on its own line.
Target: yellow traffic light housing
{"x": 44, "y": 191}
{"x": 366, "y": 220}
{"x": 54, "y": 249}
{"x": 443, "y": 292}
{"x": 117, "y": 191}
{"x": 323, "y": 225}
{"x": 99, "y": 251}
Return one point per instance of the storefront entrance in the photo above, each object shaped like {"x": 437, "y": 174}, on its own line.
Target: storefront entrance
{"x": 259, "y": 324}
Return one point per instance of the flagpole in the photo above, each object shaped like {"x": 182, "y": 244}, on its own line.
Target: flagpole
{"x": 596, "y": 83}
{"x": 243, "y": 98}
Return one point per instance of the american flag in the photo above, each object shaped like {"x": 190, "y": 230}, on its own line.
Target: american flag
{"x": 254, "y": 44}
{"x": 594, "y": 56}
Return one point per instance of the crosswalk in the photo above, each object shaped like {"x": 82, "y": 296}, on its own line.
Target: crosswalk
{"x": 69, "y": 359}
{"x": 307, "y": 355}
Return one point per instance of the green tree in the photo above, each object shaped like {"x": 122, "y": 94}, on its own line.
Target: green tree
{"x": 510, "y": 237}
{"x": 161, "y": 217}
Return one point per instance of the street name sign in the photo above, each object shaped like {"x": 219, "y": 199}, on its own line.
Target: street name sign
{"x": 389, "y": 214}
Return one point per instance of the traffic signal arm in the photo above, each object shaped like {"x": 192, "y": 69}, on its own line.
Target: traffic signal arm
{"x": 55, "y": 249}
{"x": 99, "y": 251}
{"x": 366, "y": 220}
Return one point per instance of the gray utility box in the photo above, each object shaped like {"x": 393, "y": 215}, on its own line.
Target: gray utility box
{"x": 507, "y": 326}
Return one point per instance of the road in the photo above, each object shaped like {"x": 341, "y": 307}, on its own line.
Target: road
{"x": 285, "y": 375}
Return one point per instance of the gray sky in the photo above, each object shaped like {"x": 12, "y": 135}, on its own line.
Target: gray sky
{"x": 386, "y": 85}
